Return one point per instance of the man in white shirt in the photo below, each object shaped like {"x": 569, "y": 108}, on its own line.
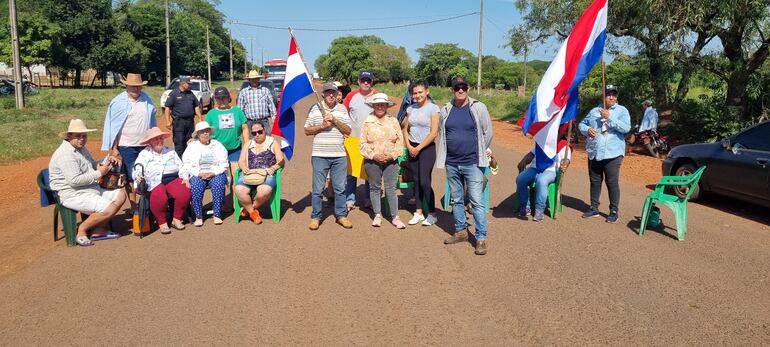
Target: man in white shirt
{"x": 650, "y": 119}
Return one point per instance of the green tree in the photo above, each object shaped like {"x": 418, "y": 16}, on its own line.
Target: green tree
{"x": 390, "y": 63}
{"x": 347, "y": 56}
{"x": 440, "y": 61}
{"x": 38, "y": 38}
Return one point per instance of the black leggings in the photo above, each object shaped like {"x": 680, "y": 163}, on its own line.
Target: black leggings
{"x": 422, "y": 171}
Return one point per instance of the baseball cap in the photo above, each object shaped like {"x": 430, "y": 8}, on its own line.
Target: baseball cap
{"x": 459, "y": 80}
{"x": 184, "y": 79}
{"x": 366, "y": 74}
{"x": 221, "y": 92}
{"x": 330, "y": 86}
{"x": 611, "y": 88}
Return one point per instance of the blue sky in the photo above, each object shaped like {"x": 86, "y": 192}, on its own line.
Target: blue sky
{"x": 500, "y": 15}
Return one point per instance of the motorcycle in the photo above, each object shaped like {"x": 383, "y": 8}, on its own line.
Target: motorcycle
{"x": 653, "y": 142}
{"x": 7, "y": 87}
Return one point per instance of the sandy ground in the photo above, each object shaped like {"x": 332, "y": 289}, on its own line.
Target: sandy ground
{"x": 565, "y": 281}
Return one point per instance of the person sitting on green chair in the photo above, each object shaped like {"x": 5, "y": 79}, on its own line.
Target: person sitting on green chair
{"x": 541, "y": 178}
{"x": 263, "y": 153}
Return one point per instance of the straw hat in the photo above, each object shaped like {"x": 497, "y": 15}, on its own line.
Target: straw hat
{"x": 379, "y": 98}
{"x": 253, "y": 74}
{"x": 153, "y": 133}
{"x": 133, "y": 80}
{"x": 202, "y": 126}
{"x": 76, "y": 126}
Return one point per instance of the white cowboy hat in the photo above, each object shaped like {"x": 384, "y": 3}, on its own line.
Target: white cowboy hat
{"x": 76, "y": 126}
{"x": 379, "y": 98}
{"x": 203, "y": 125}
{"x": 253, "y": 74}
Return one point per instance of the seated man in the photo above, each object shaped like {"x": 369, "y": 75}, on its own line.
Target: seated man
{"x": 74, "y": 175}
{"x": 541, "y": 178}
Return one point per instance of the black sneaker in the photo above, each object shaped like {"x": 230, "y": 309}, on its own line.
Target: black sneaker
{"x": 523, "y": 213}
{"x": 591, "y": 213}
{"x": 612, "y": 218}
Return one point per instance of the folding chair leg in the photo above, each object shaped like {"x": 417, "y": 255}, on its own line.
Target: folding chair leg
{"x": 680, "y": 213}
{"x": 645, "y": 215}
{"x": 447, "y": 195}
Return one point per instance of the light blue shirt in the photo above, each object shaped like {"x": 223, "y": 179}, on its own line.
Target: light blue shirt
{"x": 611, "y": 143}
{"x": 116, "y": 115}
{"x": 650, "y": 120}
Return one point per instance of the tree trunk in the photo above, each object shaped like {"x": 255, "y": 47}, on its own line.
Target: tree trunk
{"x": 78, "y": 72}
{"x": 658, "y": 77}
{"x": 688, "y": 66}
{"x": 94, "y": 79}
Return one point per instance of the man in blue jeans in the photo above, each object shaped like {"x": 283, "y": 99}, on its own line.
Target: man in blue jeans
{"x": 466, "y": 133}
{"x": 329, "y": 122}
{"x": 605, "y": 129}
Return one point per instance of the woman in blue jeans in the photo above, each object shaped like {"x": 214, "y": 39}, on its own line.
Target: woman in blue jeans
{"x": 541, "y": 178}
{"x": 263, "y": 153}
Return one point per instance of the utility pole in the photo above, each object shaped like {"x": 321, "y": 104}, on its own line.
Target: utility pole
{"x": 252, "y": 50}
{"x": 230, "y": 31}
{"x": 18, "y": 83}
{"x": 168, "y": 49}
{"x": 526, "y": 49}
{"x": 208, "y": 54}
{"x": 481, "y": 40}
{"x": 263, "y": 57}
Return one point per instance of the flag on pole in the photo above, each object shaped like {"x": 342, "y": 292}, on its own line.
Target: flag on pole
{"x": 296, "y": 86}
{"x": 556, "y": 100}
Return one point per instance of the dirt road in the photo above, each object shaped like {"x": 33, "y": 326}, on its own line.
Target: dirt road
{"x": 566, "y": 281}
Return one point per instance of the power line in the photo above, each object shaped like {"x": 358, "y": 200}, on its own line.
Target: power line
{"x": 358, "y": 29}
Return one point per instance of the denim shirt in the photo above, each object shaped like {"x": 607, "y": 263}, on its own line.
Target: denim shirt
{"x": 117, "y": 113}
{"x": 650, "y": 120}
{"x": 612, "y": 143}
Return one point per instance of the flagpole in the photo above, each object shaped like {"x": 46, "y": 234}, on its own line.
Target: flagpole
{"x": 604, "y": 86}
{"x": 299, "y": 51}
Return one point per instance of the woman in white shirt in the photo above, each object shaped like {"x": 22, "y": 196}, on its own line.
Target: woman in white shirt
{"x": 206, "y": 162}
{"x": 165, "y": 175}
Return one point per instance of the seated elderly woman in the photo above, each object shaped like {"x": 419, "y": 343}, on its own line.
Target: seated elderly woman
{"x": 165, "y": 175}
{"x": 382, "y": 142}
{"x": 262, "y": 159}
{"x": 206, "y": 161}
{"x": 74, "y": 175}
{"x": 542, "y": 179}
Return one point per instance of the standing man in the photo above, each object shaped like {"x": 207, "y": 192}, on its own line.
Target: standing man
{"x": 134, "y": 112}
{"x": 329, "y": 127}
{"x": 355, "y": 103}
{"x": 650, "y": 119}
{"x": 256, "y": 101}
{"x": 466, "y": 133}
{"x": 605, "y": 129}
{"x": 181, "y": 108}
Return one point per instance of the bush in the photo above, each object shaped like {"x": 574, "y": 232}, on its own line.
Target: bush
{"x": 706, "y": 119}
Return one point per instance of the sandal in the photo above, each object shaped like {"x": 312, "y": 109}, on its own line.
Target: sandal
{"x": 218, "y": 221}
{"x": 178, "y": 225}
{"x": 165, "y": 230}
{"x": 377, "y": 221}
{"x": 84, "y": 241}
{"x": 198, "y": 222}
{"x": 255, "y": 217}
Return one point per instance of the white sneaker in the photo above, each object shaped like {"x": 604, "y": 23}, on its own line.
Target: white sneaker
{"x": 430, "y": 220}
{"x": 416, "y": 219}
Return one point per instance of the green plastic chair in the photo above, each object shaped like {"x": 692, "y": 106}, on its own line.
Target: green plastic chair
{"x": 400, "y": 184}
{"x": 68, "y": 216}
{"x": 678, "y": 205}
{"x": 275, "y": 200}
{"x": 554, "y": 205}
{"x": 448, "y": 193}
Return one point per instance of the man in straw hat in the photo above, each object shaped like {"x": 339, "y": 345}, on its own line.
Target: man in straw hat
{"x": 257, "y": 102}
{"x": 329, "y": 123}
{"x": 74, "y": 174}
{"x": 129, "y": 116}
{"x": 181, "y": 108}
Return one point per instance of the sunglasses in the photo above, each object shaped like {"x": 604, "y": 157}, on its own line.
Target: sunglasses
{"x": 366, "y": 80}
{"x": 461, "y": 87}
{"x": 258, "y": 132}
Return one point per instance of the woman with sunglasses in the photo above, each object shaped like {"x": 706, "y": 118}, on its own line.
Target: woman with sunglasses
{"x": 421, "y": 128}
{"x": 206, "y": 161}
{"x": 263, "y": 153}
{"x": 382, "y": 142}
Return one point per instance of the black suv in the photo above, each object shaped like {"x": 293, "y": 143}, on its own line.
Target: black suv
{"x": 738, "y": 166}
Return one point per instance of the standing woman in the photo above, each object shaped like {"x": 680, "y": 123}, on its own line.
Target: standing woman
{"x": 206, "y": 161}
{"x": 165, "y": 175}
{"x": 421, "y": 128}
{"x": 382, "y": 142}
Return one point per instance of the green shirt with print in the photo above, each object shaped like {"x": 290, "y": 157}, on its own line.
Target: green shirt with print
{"x": 228, "y": 125}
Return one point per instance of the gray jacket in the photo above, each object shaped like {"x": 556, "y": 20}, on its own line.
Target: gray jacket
{"x": 483, "y": 133}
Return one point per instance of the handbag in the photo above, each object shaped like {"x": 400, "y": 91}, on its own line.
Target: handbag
{"x": 117, "y": 177}
{"x": 255, "y": 177}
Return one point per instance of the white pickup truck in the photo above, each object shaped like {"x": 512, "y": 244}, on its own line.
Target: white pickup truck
{"x": 199, "y": 87}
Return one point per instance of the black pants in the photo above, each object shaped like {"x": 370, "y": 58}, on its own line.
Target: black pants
{"x": 182, "y": 131}
{"x": 609, "y": 171}
{"x": 422, "y": 171}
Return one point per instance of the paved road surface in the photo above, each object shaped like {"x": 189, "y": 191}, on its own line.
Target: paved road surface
{"x": 566, "y": 281}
